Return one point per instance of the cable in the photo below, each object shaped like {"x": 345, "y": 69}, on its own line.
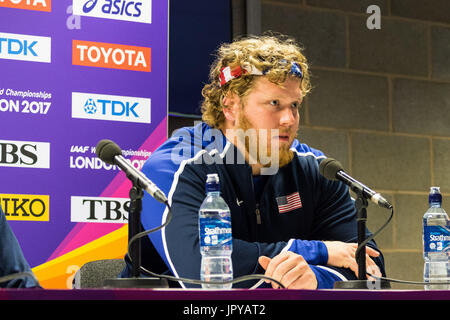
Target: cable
{"x": 407, "y": 281}
{"x": 187, "y": 280}
{"x": 391, "y": 279}
{"x": 194, "y": 281}
{"x": 372, "y": 236}
{"x": 147, "y": 232}
{"x": 17, "y": 275}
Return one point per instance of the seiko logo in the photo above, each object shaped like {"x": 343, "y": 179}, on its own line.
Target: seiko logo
{"x": 25, "y": 47}
{"x": 99, "y": 209}
{"x": 39, "y": 5}
{"x": 25, "y": 207}
{"x": 110, "y": 55}
{"x": 110, "y": 107}
{"x": 24, "y": 154}
{"x": 127, "y": 10}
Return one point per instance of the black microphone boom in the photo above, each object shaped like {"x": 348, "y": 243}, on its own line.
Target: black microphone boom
{"x": 332, "y": 169}
{"x": 110, "y": 152}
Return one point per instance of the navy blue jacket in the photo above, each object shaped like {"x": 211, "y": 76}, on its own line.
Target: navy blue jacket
{"x": 180, "y": 166}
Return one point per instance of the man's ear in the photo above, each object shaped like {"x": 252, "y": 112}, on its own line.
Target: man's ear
{"x": 231, "y": 103}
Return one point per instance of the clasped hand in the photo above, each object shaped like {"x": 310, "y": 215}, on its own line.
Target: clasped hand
{"x": 292, "y": 270}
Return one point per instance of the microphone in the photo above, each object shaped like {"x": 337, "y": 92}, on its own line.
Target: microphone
{"x": 332, "y": 169}
{"x": 109, "y": 152}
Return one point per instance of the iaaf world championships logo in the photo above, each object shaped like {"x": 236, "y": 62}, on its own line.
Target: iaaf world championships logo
{"x": 25, "y": 101}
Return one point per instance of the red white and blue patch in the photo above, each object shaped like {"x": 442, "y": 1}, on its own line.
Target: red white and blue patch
{"x": 289, "y": 203}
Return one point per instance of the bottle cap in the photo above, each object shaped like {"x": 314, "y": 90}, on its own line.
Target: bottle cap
{"x": 435, "y": 195}
{"x": 212, "y": 183}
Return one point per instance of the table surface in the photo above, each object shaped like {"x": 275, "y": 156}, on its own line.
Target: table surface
{"x": 233, "y": 294}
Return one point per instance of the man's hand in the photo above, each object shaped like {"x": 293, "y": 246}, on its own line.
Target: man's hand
{"x": 290, "y": 269}
{"x": 341, "y": 254}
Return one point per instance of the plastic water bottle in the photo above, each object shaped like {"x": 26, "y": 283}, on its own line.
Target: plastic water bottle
{"x": 436, "y": 242}
{"x": 215, "y": 237}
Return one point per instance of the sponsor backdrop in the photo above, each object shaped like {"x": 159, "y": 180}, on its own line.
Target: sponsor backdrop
{"x": 73, "y": 72}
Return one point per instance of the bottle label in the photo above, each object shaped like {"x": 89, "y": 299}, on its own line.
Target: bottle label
{"x": 215, "y": 232}
{"x": 436, "y": 238}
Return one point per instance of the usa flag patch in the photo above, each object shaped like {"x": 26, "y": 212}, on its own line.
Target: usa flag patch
{"x": 289, "y": 203}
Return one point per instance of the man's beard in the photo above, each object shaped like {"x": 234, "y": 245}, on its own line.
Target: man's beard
{"x": 262, "y": 145}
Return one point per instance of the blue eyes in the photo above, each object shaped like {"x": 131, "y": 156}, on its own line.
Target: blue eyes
{"x": 276, "y": 103}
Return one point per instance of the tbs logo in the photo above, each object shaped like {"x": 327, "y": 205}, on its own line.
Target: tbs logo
{"x": 25, "y": 154}
{"x": 128, "y": 10}
{"x": 99, "y": 209}
{"x": 110, "y": 107}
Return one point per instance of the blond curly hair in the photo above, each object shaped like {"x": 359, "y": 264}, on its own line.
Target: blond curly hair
{"x": 266, "y": 53}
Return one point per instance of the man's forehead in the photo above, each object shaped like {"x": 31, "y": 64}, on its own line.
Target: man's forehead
{"x": 290, "y": 88}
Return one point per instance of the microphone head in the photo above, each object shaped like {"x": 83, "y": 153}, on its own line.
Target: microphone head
{"x": 329, "y": 167}
{"x": 106, "y": 150}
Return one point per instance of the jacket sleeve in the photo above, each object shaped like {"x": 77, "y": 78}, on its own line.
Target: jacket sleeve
{"x": 12, "y": 260}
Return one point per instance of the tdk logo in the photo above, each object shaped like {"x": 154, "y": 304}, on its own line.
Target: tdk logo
{"x": 114, "y": 107}
{"x": 25, "y": 47}
{"x": 110, "y": 107}
{"x": 16, "y": 46}
{"x": 90, "y": 107}
{"x": 128, "y": 10}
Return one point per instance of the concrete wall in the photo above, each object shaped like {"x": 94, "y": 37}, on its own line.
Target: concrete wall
{"x": 380, "y": 105}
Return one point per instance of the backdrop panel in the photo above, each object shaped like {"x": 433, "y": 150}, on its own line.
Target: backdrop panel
{"x": 73, "y": 73}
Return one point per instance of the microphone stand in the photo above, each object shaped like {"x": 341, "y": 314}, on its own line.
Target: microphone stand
{"x": 361, "y": 204}
{"x": 134, "y": 227}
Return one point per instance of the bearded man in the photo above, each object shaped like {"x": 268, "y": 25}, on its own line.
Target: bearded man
{"x": 250, "y": 116}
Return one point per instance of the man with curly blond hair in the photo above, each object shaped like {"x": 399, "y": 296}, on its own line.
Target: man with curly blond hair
{"x": 288, "y": 222}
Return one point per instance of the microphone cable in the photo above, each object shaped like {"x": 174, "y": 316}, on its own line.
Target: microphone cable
{"x": 187, "y": 280}
{"x": 371, "y": 237}
{"x": 408, "y": 281}
{"x": 18, "y": 275}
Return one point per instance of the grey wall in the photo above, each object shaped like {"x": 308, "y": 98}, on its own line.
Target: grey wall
{"x": 380, "y": 105}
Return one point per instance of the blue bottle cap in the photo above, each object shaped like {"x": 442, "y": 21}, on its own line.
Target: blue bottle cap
{"x": 212, "y": 183}
{"x": 435, "y": 195}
